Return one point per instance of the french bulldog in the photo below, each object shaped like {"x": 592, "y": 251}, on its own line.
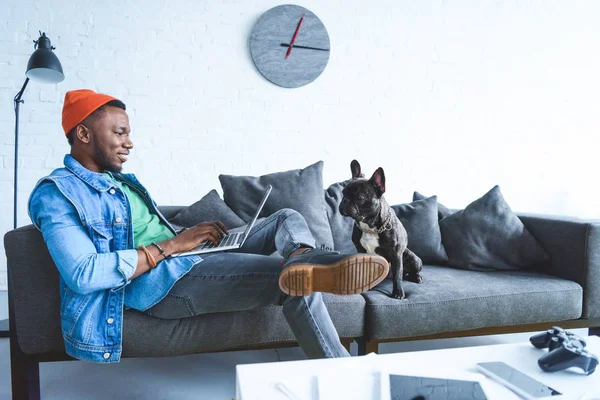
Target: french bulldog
{"x": 377, "y": 229}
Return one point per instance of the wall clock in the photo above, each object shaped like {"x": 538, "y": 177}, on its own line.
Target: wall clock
{"x": 289, "y": 46}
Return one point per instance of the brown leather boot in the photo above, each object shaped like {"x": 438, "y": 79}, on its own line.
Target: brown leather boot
{"x": 327, "y": 271}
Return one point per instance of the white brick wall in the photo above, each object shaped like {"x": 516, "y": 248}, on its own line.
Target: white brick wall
{"x": 450, "y": 97}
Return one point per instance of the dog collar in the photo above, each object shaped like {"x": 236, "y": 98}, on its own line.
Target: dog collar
{"x": 387, "y": 222}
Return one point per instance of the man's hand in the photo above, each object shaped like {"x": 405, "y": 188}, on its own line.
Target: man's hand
{"x": 192, "y": 237}
{"x": 186, "y": 240}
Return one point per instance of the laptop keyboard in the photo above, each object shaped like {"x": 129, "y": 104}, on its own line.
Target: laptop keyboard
{"x": 227, "y": 240}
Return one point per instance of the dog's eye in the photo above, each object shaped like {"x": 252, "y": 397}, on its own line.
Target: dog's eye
{"x": 361, "y": 199}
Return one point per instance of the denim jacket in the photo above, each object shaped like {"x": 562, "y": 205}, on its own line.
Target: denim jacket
{"x": 85, "y": 220}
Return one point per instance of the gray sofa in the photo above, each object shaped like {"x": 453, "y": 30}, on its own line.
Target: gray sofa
{"x": 450, "y": 303}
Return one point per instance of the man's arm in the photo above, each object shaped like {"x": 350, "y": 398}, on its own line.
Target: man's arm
{"x": 81, "y": 266}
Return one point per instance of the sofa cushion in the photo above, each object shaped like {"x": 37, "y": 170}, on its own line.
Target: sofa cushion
{"x": 299, "y": 189}
{"x": 170, "y": 211}
{"x": 144, "y": 336}
{"x": 452, "y": 300}
{"x": 487, "y": 235}
{"x": 209, "y": 208}
{"x": 420, "y": 219}
{"x": 442, "y": 211}
{"x": 341, "y": 226}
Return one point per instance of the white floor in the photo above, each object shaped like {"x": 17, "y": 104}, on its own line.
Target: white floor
{"x": 201, "y": 376}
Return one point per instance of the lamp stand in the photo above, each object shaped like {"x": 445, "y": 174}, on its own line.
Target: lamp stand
{"x": 4, "y": 324}
{"x": 18, "y": 102}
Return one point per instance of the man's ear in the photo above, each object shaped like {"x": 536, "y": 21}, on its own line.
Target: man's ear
{"x": 82, "y": 133}
{"x": 355, "y": 169}
{"x": 378, "y": 181}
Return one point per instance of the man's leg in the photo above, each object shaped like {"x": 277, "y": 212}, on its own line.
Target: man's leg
{"x": 285, "y": 231}
{"x": 225, "y": 282}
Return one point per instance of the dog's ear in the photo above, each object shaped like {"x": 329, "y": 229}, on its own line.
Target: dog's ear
{"x": 378, "y": 181}
{"x": 355, "y": 169}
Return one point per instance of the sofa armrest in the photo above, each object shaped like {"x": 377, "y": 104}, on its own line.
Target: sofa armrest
{"x": 574, "y": 247}
{"x": 34, "y": 290}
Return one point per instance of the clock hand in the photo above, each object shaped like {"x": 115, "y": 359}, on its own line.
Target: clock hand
{"x": 294, "y": 37}
{"x": 302, "y": 47}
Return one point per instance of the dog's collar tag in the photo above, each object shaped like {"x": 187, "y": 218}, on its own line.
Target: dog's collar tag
{"x": 387, "y": 225}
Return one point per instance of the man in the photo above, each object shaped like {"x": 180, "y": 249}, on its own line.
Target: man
{"x": 111, "y": 246}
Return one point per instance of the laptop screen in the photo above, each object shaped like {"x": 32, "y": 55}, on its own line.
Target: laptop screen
{"x": 260, "y": 207}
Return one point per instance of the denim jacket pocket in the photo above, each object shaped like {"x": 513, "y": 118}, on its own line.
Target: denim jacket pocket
{"x": 102, "y": 236}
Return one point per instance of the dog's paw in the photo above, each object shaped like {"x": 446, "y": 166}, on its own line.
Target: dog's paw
{"x": 413, "y": 278}
{"x": 396, "y": 294}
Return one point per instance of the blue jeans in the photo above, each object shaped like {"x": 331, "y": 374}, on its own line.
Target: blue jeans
{"x": 248, "y": 278}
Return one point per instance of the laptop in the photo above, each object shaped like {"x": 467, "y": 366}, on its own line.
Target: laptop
{"x": 231, "y": 240}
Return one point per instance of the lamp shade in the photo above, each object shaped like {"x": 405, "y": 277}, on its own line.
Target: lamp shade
{"x": 43, "y": 65}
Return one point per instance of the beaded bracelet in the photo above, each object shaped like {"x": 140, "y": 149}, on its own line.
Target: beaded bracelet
{"x": 149, "y": 256}
{"x": 162, "y": 252}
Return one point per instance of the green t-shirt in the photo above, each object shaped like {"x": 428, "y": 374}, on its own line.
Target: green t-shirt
{"x": 147, "y": 227}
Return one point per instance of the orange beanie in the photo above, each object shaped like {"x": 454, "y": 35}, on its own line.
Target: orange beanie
{"x": 79, "y": 104}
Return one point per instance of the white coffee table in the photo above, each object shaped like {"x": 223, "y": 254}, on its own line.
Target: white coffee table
{"x": 359, "y": 377}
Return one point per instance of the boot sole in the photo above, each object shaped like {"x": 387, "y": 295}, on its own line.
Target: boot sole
{"x": 351, "y": 275}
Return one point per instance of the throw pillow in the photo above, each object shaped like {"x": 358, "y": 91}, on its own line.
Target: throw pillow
{"x": 209, "y": 208}
{"x": 299, "y": 189}
{"x": 341, "y": 227}
{"x": 442, "y": 210}
{"x": 487, "y": 235}
{"x": 420, "y": 219}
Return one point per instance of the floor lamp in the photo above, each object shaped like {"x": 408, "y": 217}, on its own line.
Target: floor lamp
{"x": 43, "y": 67}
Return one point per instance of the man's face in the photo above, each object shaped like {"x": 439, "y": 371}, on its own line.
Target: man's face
{"x": 109, "y": 140}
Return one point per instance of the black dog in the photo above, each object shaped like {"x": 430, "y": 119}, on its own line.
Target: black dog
{"x": 377, "y": 229}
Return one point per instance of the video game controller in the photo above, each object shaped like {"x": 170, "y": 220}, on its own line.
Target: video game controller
{"x": 554, "y": 337}
{"x": 569, "y": 354}
{"x": 566, "y": 350}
